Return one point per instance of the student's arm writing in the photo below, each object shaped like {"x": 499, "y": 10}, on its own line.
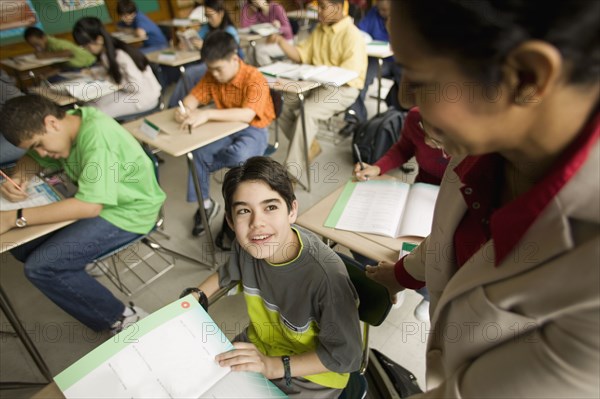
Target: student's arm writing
{"x": 246, "y": 357}
{"x": 290, "y": 51}
{"x": 69, "y": 209}
{"x": 190, "y": 103}
{"x": 366, "y": 173}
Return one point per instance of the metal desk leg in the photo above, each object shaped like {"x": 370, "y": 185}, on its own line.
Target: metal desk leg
{"x": 379, "y": 72}
{"x": 27, "y": 342}
{"x": 185, "y": 85}
{"x": 306, "y": 147}
{"x": 253, "y": 49}
{"x": 192, "y": 166}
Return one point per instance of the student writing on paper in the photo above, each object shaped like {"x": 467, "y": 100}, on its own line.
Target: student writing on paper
{"x": 374, "y": 25}
{"x": 217, "y": 19}
{"x": 432, "y": 162}
{"x": 300, "y": 300}
{"x": 332, "y": 43}
{"x": 135, "y": 21}
{"x": 267, "y": 11}
{"x": 126, "y": 66}
{"x": 240, "y": 93}
{"x": 118, "y": 199}
{"x": 49, "y": 47}
{"x": 515, "y": 237}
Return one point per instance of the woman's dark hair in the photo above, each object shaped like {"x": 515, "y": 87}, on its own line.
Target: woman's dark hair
{"x": 23, "y": 117}
{"x": 218, "y": 45}
{"x": 126, "y": 7}
{"x": 87, "y": 30}
{"x": 482, "y": 33}
{"x": 218, "y": 6}
{"x": 262, "y": 169}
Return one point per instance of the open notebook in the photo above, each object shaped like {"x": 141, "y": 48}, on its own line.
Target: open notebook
{"x": 316, "y": 73}
{"x": 85, "y": 88}
{"x": 386, "y": 207}
{"x": 44, "y": 189}
{"x": 169, "y": 354}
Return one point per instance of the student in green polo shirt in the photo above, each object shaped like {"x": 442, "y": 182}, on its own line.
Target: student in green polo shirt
{"x": 47, "y": 47}
{"x": 118, "y": 199}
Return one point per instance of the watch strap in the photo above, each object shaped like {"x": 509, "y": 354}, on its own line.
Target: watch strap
{"x": 287, "y": 372}
{"x": 202, "y": 298}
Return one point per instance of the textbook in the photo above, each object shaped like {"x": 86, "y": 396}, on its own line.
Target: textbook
{"x": 169, "y": 354}
{"x": 386, "y": 207}
{"x": 266, "y": 29}
{"x": 85, "y": 88}
{"x": 44, "y": 189}
{"x": 185, "y": 37}
{"x": 316, "y": 73}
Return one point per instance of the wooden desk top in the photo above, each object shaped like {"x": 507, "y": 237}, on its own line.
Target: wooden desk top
{"x": 179, "y": 23}
{"x": 181, "y": 57}
{"x": 59, "y": 98}
{"x": 370, "y": 245}
{"x": 128, "y": 38}
{"x": 291, "y": 86}
{"x": 15, "y": 237}
{"x": 175, "y": 141}
{"x": 303, "y": 14}
{"x": 379, "y": 49}
{"x": 29, "y": 62}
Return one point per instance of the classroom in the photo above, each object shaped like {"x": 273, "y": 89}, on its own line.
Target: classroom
{"x": 148, "y": 148}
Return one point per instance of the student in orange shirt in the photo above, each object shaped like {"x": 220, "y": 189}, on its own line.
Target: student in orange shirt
{"x": 240, "y": 93}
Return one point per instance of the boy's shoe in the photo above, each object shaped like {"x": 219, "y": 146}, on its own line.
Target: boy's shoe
{"x": 126, "y": 321}
{"x": 211, "y": 212}
{"x": 422, "y": 311}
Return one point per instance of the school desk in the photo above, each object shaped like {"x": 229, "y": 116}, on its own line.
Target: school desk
{"x": 174, "y": 58}
{"x": 61, "y": 99}
{"x": 250, "y": 39}
{"x": 380, "y": 51}
{"x": 24, "y": 67}
{"x": 372, "y": 246}
{"x": 176, "y": 142}
{"x": 129, "y": 38}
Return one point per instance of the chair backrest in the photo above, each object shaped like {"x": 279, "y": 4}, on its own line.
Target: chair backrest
{"x": 375, "y": 301}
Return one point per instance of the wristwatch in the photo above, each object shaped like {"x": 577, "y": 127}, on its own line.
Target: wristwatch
{"x": 21, "y": 221}
{"x": 287, "y": 372}
{"x": 202, "y": 298}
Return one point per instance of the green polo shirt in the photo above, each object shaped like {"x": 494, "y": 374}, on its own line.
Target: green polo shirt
{"x": 81, "y": 58}
{"x": 111, "y": 168}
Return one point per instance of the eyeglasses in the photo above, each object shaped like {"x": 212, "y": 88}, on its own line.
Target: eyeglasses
{"x": 431, "y": 142}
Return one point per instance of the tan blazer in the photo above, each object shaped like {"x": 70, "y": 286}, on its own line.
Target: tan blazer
{"x": 531, "y": 326}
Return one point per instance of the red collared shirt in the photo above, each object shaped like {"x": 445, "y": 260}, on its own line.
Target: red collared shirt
{"x": 506, "y": 225}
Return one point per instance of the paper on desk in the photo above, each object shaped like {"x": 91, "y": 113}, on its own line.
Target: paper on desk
{"x": 170, "y": 353}
{"x": 39, "y": 194}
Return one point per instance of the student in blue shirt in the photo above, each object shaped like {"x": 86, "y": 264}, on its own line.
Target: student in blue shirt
{"x": 374, "y": 25}
{"x": 143, "y": 26}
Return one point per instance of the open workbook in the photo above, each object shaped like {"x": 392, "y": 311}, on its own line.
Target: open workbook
{"x": 43, "y": 189}
{"x": 316, "y": 73}
{"x": 386, "y": 207}
{"x": 169, "y": 354}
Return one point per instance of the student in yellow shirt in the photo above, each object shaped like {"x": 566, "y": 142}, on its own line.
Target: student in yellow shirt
{"x": 47, "y": 47}
{"x": 332, "y": 43}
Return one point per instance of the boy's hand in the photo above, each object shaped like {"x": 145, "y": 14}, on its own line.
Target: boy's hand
{"x": 384, "y": 274}
{"x": 273, "y": 39}
{"x": 7, "y": 220}
{"x": 181, "y": 116}
{"x": 11, "y": 193}
{"x": 366, "y": 173}
{"x": 196, "y": 118}
{"x": 246, "y": 357}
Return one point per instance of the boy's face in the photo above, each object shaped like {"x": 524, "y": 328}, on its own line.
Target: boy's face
{"x": 53, "y": 142}
{"x": 128, "y": 18}
{"x": 224, "y": 70}
{"x": 261, "y": 222}
{"x": 38, "y": 43}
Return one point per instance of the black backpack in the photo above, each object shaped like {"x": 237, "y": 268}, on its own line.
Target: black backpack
{"x": 377, "y": 135}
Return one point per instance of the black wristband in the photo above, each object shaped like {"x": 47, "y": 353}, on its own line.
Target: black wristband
{"x": 202, "y": 298}
{"x": 287, "y": 372}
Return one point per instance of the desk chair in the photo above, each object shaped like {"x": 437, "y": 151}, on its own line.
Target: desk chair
{"x": 109, "y": 261}
{"x": 374, "y": 306}
{"x": 277, "y": 97}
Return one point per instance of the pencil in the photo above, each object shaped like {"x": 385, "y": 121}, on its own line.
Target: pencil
{"x": 13, "y": 182}
{"x": 357, "y": 152}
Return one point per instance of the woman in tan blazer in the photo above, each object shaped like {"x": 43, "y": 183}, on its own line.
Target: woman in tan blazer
{"x": 511, "y": 91}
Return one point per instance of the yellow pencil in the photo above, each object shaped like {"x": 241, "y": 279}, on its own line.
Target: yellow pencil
{"x": 13, "y": 182}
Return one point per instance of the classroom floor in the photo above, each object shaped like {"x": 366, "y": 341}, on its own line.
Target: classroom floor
{"x": 62, "y": 340}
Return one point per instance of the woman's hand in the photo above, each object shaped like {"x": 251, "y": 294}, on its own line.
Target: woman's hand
{"x": 12, "y": 193}
{"x": 384, "y": 274}
{"x": 368, "y": 172}
{"x": 277, "y": 24}
{"x": 246, "y": 357}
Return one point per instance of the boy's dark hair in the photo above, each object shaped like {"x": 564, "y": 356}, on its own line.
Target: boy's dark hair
{"x": 262, "y": 169}
{"x": 126, "y": 7}
{"x": 87, "y": 30}
{"x": 32, "y": 31}
{"x": 23, "y": 117}
{"x": 480, "y": 34}
{"x": 218, "y": 45}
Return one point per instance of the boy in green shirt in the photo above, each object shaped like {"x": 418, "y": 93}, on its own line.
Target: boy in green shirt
{"x": 118, "y": 199}
{"x": 47, "y": 47}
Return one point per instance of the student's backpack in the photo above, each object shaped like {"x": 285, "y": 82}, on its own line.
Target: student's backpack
{"x": 387, "y": 379}
{"x": 377, "y": 135}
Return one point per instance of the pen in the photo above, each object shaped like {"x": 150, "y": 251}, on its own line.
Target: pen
{"x": 357, "y": 152}
{"x": 184, "y": 112}
{"x": 13, "y": 182}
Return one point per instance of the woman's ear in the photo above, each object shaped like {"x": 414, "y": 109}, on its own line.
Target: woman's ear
{"x": 532, "y": 70}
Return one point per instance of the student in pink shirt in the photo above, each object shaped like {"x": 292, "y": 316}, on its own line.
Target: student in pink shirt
{"x": 266, "y": 11}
